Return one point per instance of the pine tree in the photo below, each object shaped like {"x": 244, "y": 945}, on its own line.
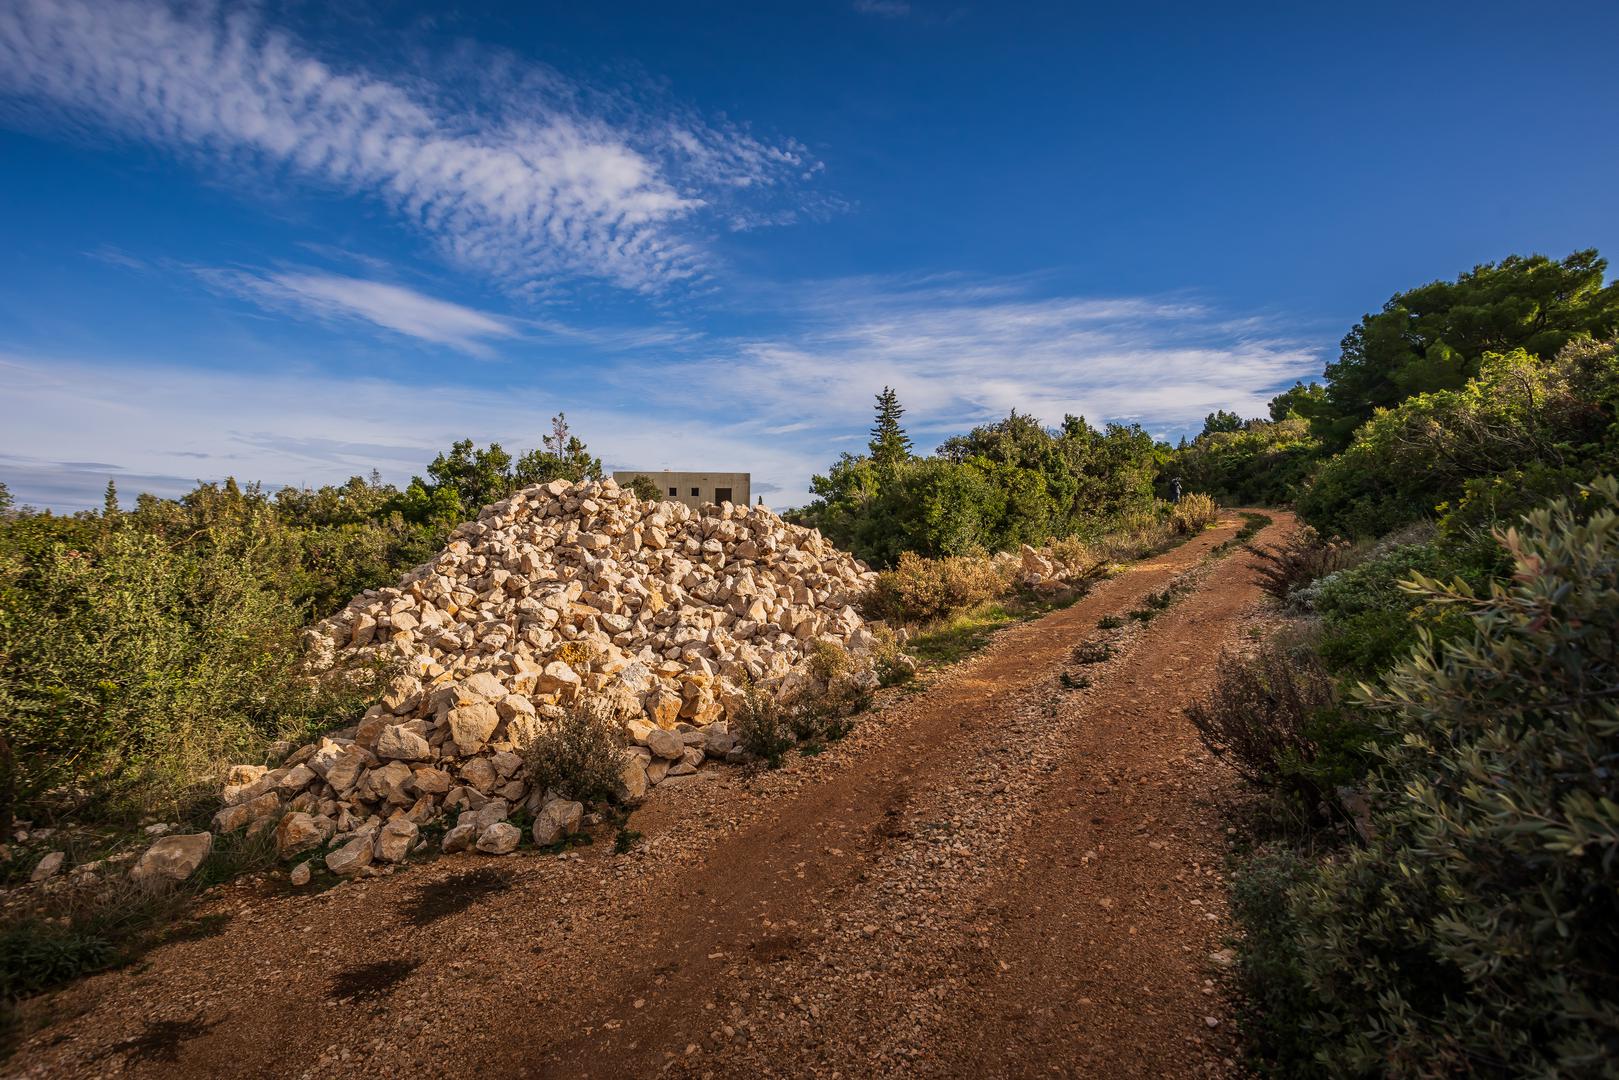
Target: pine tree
{"x": 563, "y": 456}
{"x": 109, "y": 501}
{"x": 889, "y": 444}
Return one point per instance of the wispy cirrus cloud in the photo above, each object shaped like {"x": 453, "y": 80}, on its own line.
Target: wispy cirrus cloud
{"x": 155, "y": 427}
{"x": 531, "y": 179}
{"x": 963, "y": 352}
{"x": 392, "y": 307}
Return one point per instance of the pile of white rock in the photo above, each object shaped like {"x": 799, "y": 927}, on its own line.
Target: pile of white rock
{"x": 563, "y": 591}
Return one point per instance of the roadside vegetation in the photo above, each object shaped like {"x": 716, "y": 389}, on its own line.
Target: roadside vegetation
{"x": 1429, "y": 878}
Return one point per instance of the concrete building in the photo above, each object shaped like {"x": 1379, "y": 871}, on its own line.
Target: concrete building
{"x": 696, "y": 488}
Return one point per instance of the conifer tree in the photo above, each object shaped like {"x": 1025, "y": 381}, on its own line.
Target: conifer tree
{"x": 889, "y": 444}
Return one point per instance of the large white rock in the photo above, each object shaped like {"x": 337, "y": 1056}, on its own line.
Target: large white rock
{"x": 352, "y": 857}
{"x": 299, "y": 832}
{"x": 395, "y": 840}
{"x": 501, "y": 838}
{"x": 48, "y": 865}
{"x": 460, "y": 838}
{"x": 173, "y": 858}
{"x": 400, "y": 743}
{"x": 664, "y": 744}
{"x": 556, "y": 820}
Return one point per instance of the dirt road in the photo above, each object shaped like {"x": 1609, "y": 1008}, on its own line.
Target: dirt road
{"x": 1006, "y": 873}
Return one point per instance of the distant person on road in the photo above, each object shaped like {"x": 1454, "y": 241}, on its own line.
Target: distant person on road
{"x": 1175, "y": 489}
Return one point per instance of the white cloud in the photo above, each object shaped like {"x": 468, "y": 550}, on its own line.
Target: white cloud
{"x": 527, "y": 184}
{"x": 72, "y": 425}
{"x": 962, "y": 353}
{"x": 393, "y": 307}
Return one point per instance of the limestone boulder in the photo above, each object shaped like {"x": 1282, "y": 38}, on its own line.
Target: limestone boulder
{"x": 395, "y": 839}
{"x": 352, "y": 857}
{"x": 459, "y": 838}
{"x": 471, "y": 726}
{"x": 298, "y": 832}
{"x": 556, "y": 821}
{"x": 172, "y": 858}
{"x": 400, "y": 743}
{"x": 500, "y": 838}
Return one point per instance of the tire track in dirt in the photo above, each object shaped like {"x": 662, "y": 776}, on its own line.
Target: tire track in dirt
{"x": 882, "y": 885}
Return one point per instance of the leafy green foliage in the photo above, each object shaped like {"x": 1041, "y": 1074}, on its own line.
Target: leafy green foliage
{"x": 762, "y": 727}
{"x": 1275, "y": 999}
{"x": 889, "y": 444}
{"x": 1475, "y": 930}
{"x": 561, "y": 457}
{"x": 1370, "y": 622}
{"x": 1261, "y": 462}
{"x": 1434, "y": 338}
{"x": 646, "y": 489}
{"x": 1409, "y": 462}
{"x": 1003, "y": 484}
{"x": 135, "y": 667}
{"x": 1221, "y": 420}
{"x": 478, "y": 477}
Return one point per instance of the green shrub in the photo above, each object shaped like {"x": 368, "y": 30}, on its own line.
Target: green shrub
{"x": 1370, "y": 622}
{"x": 1275, "y": 998}
{"x": 889, "y": 661}
{"x": 646, "y": 489}
{"x": 1518, "y": 413}
{"x": 921, "y": 590}
{"x": 1478, "y": 931}
{"x": 1261, "y": 463}
{"x": 580, "y": 755}
{"x": 762, "y": 726}
{"x": 134, "y": 670}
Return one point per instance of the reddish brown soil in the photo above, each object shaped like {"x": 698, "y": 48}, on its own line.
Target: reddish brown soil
{"x": 996, "y": 875}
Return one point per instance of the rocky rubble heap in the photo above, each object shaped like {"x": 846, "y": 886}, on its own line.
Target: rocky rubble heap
{"x": 659, "y": 613}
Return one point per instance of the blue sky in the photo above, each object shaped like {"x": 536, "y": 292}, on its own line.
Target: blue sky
{"x": 291, "y": 243}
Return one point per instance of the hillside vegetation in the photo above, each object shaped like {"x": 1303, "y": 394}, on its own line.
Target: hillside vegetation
{"x": 1430, "y": 887}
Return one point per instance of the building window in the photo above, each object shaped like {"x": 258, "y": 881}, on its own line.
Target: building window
{"x": 672, "y": 491}
{"x": 696, "y": 492}
{"x": 722, "y": 495}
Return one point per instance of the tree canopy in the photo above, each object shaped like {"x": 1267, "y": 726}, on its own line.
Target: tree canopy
{"x": 1434, "y": 337}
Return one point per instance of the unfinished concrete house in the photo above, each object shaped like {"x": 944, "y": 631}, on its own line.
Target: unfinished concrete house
{"x": 695, "y": 488}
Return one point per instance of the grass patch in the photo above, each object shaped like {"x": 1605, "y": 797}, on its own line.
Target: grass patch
{"x": 81, "y": 932}
{"x": 959, "y": 636}
{"x": 1252, "y": 523}
{"x": 1070, "y": 681}
{"x": 1109, "y": 622}
{"x": 625, "y": 841}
